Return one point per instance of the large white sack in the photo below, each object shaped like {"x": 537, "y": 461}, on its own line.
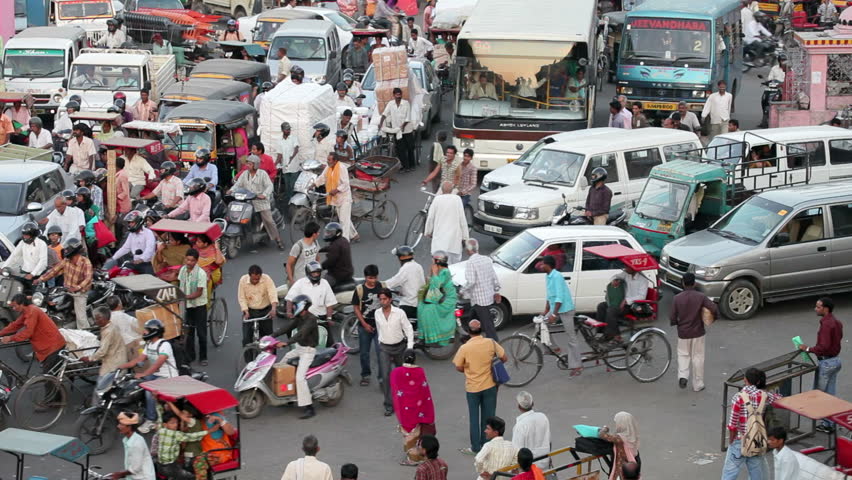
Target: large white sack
{"x": 451, "y": 13}
{"x": 78, "y": 340}
{"x": 302, "y": 106}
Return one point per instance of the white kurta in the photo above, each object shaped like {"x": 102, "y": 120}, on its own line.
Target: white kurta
{"x": 446, "y": 224}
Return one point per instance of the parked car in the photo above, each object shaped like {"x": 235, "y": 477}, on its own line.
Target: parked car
{"x": 430, "y": 83}
{"x": 522, "y": 283}
{"x": 28, "y": 189}
{"x": 777, "y": 245}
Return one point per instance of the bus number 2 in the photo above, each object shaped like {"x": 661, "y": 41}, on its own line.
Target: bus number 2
{"x": 167, "y": 295}
{"x": 697, "y": 46}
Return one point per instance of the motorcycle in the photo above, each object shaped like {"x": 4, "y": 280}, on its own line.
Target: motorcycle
{"x": 325, "y": 378}
{"x": 771, "y": 93}
{"x": 58, "y": 304}
{"x": 563, "y": 215}
{"x": 303, "y": 186}
{"x": 115, "y": 392}
{"x": 761, "y": 52}
{"x": 243, "y": 223}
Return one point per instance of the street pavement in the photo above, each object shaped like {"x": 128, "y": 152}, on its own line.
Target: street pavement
{"x": 680, "y": 430}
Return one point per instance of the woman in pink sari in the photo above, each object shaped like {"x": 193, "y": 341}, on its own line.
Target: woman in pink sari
{"x": 412, "y": 402}
{"x": 348, "y": 7}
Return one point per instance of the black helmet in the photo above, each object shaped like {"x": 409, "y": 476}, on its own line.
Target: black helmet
{"x": 266, "y": 86}
{"x": 341, "y": 133}
{"x": 85, "y": 193}
{"x": 195, "y": 185}
{"x": 403, "y": 252}
{"x": 285, "y": 126}
{"x": 101, "y": 173}
{"x": 134, "y": 220}
{"x": 301, "y": 303}
{"x": 73, "y": 104}
{"x": 323, "y": 129}
{"x": 782, "y": 57}
{"x": 69, "y": 195}
{"x": 313, "y": 270}
{"x": 153, "y": 328}
{"x": 31, "y": 230}
{"x": 167, "y": 168}
{"x": 153, "y": 215}
{"x": 202, "y": 154}
{"x": 111, "y": 22}
{"x": 331, "y": 231}
{"x": 114, "y": 108}
{"x": 342, "y": 86}
{"x": 54, "y": 229}
{"x": 72, "y": 247}
{"x": 348, "y": 71}
{"x": 598, "y": 174}
{"x": 84, "y": 177}
{"x": 75, "y": 98}
{"x": 441, "y": 258}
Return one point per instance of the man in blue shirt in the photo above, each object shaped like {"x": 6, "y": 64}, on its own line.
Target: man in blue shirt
{"x": 560, "y": 304}
{"x": 203, "y": 168}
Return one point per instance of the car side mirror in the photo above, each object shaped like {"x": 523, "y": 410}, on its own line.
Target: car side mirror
{"x": 584, "y": 182}
{"x": 33, "y": 207}
{"x": 783, "y": 238}
{"x": 332, "y": 54}
{"x": 64, "y": 83}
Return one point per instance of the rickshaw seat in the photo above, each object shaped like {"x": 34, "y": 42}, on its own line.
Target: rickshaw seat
{"x": 322, "y": 356}
{"x": 594, "y": 323}
{"x": 234, "y": 463}
{"x": 651, "y": 299}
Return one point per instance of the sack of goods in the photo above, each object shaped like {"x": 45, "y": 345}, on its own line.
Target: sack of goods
{"x": 302, "y": 106}
{"x": 451, "y": 14}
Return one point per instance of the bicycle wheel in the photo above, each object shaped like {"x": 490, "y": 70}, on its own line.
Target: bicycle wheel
{"x": 618, "y": 358}
{"x": 415, "y": 230}
{"x": 217, "y": 319}
{"x": 385, "y": 217}
{"x": 524, "y": 359}
{"x": 349, "y": 333}
{"x": 655, "y": 356}
{"x": 247, "y": 354}
{"x": 40, "y": 402}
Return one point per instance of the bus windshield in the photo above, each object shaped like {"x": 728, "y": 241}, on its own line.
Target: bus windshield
{"x": 523, "y": 79}
{"x": 667, "y": 41}
{"x": 95, "y": 9}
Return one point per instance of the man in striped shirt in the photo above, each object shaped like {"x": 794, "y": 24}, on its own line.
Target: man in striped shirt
{"x": 497, "y": 452}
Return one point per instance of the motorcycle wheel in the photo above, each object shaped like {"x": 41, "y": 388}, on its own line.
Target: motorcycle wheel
{"x": 85, "y": 428}
{"x": 437, "y": 352}
{"x": 333, "y": 401}
{"x": 231, "y": 246}
{"x": 251, "y": 403}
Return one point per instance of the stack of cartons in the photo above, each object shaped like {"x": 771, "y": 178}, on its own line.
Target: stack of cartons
{"x": 391, "y": 67}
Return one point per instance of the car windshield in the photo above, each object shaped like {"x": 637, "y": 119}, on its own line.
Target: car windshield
{"x": 34, "y": 63}
{"x": 264, "y": 30}
{"x": 516, "y": 251}
{"x": 342, "y": 21}
{"x": 70, "y": 10}
{"x": 662, "y": 200}
{"x": 532, "y": 153}
{"x": 10, "y": 198}
{"x": 192, "y": 140}
{"x": 166, "y": 4}
{"x": 554, "y": 166}
{"x": 752, "y": 221}
{"x": 105, "y": 77}
{"x": 666, "y": 42}
{"x": 300, "y": 48}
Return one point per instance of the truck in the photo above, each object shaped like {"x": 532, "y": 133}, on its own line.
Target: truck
{"x": 38, "y": 60}
{"x": 90, "y": 15}
{"x": 97, "y": 74}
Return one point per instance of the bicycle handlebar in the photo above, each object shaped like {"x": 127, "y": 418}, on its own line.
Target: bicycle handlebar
{"x": 251, "y": 320}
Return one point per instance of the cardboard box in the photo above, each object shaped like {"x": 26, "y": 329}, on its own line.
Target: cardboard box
{"x": 171, "y": 321}
{"x": 439, "y": 53}
{"x": 384, "y": 92}
{"x": 390, "y": 63}
{"x": 284, "y": 379}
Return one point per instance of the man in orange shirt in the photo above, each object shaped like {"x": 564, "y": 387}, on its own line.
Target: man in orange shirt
{"x": 6, "y": 127}
{"x": 34, "y": 325}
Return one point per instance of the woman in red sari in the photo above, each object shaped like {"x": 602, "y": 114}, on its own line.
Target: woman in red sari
{"x": 529, "y": 470}
{"x": 412, "y": 402}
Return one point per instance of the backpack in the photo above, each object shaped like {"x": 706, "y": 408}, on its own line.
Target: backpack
{"x": 179, "y": 361}
{"x": 755, "y": 441}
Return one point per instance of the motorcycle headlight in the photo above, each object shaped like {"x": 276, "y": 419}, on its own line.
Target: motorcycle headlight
{"x": 38, "y": 299}
{"x": 664, "y": 258}
{"x": 707, "y": 273}
{"x": 524, "y": 213}
{"x": 467, "y": 142}
{"x": 240, "y": 196}
{"x": 480, "y": 205}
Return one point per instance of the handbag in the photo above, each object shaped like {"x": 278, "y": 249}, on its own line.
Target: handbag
{"x": 593, "y": 446}
{"x": 498, "y": 369}
{"x": 103, "y": 234}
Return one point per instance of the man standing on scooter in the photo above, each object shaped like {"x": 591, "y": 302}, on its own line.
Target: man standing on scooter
{"x": 599, "y": 198}
{"x": 305, "y": 340}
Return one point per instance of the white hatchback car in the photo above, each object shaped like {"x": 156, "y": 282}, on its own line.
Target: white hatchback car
{"x": 523, "y": 284}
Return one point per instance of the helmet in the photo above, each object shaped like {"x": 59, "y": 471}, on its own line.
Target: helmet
{"x": 363, "y": 21}
{"x": 301, "y": 303}
{"x": 598, "y": 174}
{"x": 202, "y": 154}
{"x": 113, "y": 109}
{"x": 119, "y": 96}
{"x": 84, "y": 177}
{"x": 232, "y": 22}
{"x": 403, "y": 252}
{"x": 54, "y": 229}
{"x": 285, "y": 126}
{"x": 313, "y": 270}
{"x": 266, "y": 86}
{"x": 153, "y": 215}
{"x": 85, "y": 193}
{"x": 69, "y": 195}
{"x": 331, "y": 231}
{"x": 72, "y": 247}
{"x": 348, "y": 71}
{"x": 153, "y": 328}
{"x": 167, "y": 168}
{"x": 75, "y": 98}
{"x": 120, "y": 103}
{"x": 73, "y": 104}
{"x": 782, "y": 57}
{"x": 341, "y": 86}
{"x": 441, "y": 258}
{"x": 348, "y": 77}
{"x": 31, "y": 230}
{"x": 111, "y": 22}
{"x": 134, "y": 220}
{"x": 323, "y": 129}
{"x": 195, "y": 185}
{"x": 100, "y": 174}
{"x": 341, "y": 133}
{"x": 297, "y": 72}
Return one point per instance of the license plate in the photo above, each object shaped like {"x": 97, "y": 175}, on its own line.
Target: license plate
{"x": 236, "y": 208}
{"x": 492, "y": 229}
{"x": 659, "y": 106}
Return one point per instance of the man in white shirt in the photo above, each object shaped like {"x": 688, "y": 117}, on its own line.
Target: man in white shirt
{"x": 308, "y": 467}
{"x": 288, "y": 160}
{"x": 138, "y": 172}
{"x": 81, "y": 152}
{"x": 718, "y": 108}
{"x": 483, "y": 89}
{"x": 784, "y": 459}
{"x": 532, "y": 430}
{"x": 284, "y": 64}
{"x": 827, "y": 12}
{"x": 344, "y": 100}
{"x": 139, "y": 239}
{"x": 30, "y": 255}
{"x": 316, "y": 288}
{"x": 395, "y": 336}
{"x": 497, "y": 452}
{"x": 335, "y": 177}
{"x": 114, "y": 38}
{"x": 446, "y": 224}
{"x": 39, "y": 136}
{"x": 778, "y": 71}
{"x": 397, "y": 122}
{"x": 127, "y": 326}
{"x": 407, "y": 281}
{"x": 625, "y": 110}
{"x": 687, "y": 118}
{"x": 69, "y": 219}
{"x": 635, "y": 286}
{"x": 419, "y": 46}
{"x": 754, "y": 31}
{"x": 138, "y": 463}
{"x": 323, "y": 142}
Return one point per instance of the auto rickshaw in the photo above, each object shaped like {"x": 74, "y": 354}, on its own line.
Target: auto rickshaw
{"x": 198, "y": 89}
{"x": 254, "y": 73}
{"x": 224, "y": 455}
{"x": 271, "y": 20}
{"x": 22, "y": 443}
{"x": 238, "y": 50}
{"x": 168, "y": 134}
{"x": 223, "y": 127}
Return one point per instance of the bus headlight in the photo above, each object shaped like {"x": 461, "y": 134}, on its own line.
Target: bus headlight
{"x": 467, "y": 142}
{"x": 698, "y": 93}
{"x": 625, "y": 90}
{"x": 524, "y": 213}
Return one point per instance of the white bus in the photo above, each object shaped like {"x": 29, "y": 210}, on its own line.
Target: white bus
{"x": 524, "y": 71}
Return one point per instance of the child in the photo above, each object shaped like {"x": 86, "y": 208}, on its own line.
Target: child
{"x": 54, "y": 253}
{"x": 786, "y": 464}
{"x": 169, "y": 439}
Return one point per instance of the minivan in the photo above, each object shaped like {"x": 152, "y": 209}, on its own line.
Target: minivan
{"x": 777, "y": 245}
{"x": 312, "y": 45}
{"x": 561, "y": 170}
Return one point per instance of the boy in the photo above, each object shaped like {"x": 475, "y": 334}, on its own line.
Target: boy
{"x": 169, "y": 439}
{"x": 54, "y": 253}
{"x": 786, "y": 464}
{"x": 365, "y": 300}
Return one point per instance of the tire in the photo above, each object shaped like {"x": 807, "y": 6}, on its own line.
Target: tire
{"x": 384, "y": 218}
{"x": 415, "y": 230}
{"x": 444, "y": 352}
{"x": 654, "y": 356}
{"x": 251, "y": 403}
{"x": 231, "y": 246}
{"x": 298, "y": 219}
{"x": 502, "y": 314}
{"x": 349, "y": 333}
{"x": 524, "y": 360}
{"x": 617, "y": 359}
{"x": 85, "y": 428}
{"x": 247, "y": 354}
{"x": 334, "y": 401}
{"x": 33, "y": 409}
{"x": 740, "y": 301}
{"x": 218, "y": 321}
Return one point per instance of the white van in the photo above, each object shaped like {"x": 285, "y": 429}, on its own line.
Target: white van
{"x": 562, "y": 169}
{"x": 312, "y": 45}
{"x": 513, "y": 173}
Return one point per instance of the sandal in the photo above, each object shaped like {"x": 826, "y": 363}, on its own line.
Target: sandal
{"x": 365, "y": 381}
{"x": 408, "y": 463}
{"x": 576, "y": 372}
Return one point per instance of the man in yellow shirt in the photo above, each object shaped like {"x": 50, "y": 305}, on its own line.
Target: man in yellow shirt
{"x": 258, "y": 298}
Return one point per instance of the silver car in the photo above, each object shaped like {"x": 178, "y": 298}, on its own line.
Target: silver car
{"x": 777, "y": 245}
{"x": 28, "y": 190}
{"x": 428, "y": 81}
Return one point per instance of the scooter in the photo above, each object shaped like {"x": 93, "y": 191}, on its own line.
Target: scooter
{"x": 300, "y": 199}
{"x": 771, "y": 93}
{"x": 325, "y": 378}
{"x": 243, "y": 223}
{"x": 563, "y": 215}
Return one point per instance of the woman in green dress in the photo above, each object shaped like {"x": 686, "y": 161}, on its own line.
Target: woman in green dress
{"x": 436, "y": 311}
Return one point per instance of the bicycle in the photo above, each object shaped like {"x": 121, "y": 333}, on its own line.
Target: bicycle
{"x": 525, "y": 352}
{"x": 217, "y": 320}
{"x": 414, "y": 234}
